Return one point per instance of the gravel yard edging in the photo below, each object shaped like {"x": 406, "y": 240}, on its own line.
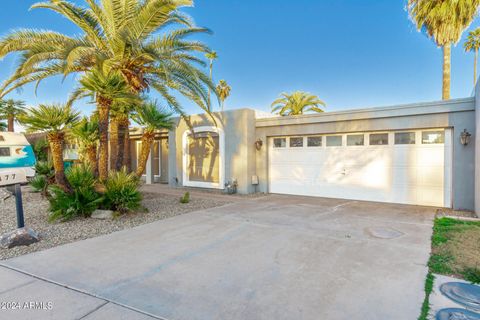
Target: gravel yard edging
{"x": 159, "y": 206}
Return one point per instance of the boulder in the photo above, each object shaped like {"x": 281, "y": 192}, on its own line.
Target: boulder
{"x": 20, "y": 237}
{"x": 102, "y": 214}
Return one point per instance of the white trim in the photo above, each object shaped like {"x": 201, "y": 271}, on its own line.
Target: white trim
{"x": 447, "y": 179}
{"x": 221, "y": 164}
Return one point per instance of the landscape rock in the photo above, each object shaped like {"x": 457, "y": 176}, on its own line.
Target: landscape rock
{"x": 20, "y": 237}
{"x": 102, "y": 214}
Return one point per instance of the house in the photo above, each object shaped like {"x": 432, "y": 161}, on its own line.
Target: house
{"x": 417, "y": 154}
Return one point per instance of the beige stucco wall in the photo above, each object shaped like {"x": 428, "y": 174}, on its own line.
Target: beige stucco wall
{"x": 239, "y": 128}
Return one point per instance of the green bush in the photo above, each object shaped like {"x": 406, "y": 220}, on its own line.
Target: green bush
{"x": 185, "y": 198}
{"x": 81, "y": 202}
{"x": 39, "y": 183}
{"x": 121, "y": 192}
{"x": 40, "y": 149}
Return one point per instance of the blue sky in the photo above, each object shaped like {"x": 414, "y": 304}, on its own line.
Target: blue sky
{"x": 351, "y": 54}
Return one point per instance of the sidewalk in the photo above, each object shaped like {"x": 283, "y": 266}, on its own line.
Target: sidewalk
{"x": 26, "y": 297}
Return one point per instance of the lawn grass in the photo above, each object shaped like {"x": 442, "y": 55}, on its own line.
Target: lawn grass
{"x": 426, "y": 302}
{"x": 455, "y": 252}
{"x": 456, "y": 249}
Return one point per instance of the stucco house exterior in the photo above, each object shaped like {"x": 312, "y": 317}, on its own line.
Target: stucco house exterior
{"x": 410, "y": 154}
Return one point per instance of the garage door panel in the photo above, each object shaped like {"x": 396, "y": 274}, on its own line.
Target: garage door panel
{"x": 411, "y": 174}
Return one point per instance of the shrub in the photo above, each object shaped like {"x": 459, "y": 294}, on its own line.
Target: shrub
{"x": 81, "y": 202}
{"x": 121, "y": 191}
{"x": 40, "y": 149}
{"x": 44, "y": 168}
{"x": 185, "y": 198}
{"x": 39, "y": 183}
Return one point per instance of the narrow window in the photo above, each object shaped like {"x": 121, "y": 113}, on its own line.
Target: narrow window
{"x": 355, "y": 140}
{"x": 279, "y": 142}
{"x": 5, "y": 152}
{"x": 432, "y": 137}
{"x": 379, "y": 139}
{"x": 314, "y": 141}
{"x": 296, "y": 142}
{"x": 334, "y": 141}
{"x": 404, "y": 137}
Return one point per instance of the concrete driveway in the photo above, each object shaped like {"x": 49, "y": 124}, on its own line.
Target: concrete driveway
{"x": 277, "y": 257}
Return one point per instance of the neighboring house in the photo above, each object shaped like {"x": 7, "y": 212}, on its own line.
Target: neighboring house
{"x": 410, "y": 154}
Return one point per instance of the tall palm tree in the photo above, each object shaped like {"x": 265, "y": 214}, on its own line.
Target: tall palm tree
{"x": 87, "y": 136}
{"x": 444, "y": 21}
{"x": 296, "y": 103}
{"x": 223, "y": 91}
{"x": 473, "y": 44}
{"x": 119, "y": 126}
{"x": 55, "y": 120}
{"x": 145, "y": 41}
{"x": 211, "y": 56}
{"x": 9, "y": 110}
{"x": 105, "y": 89}
{"x": 152, "y": 118}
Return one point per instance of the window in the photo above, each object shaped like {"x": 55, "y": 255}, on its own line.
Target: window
{"x": 296, "y": 142}
{"x": 355, "y": 140}
{"x": 404, "y": 137}
{"x": 379, "y": 139}
{"x": 314, "y": 141}
{"x": 279, "y": 142}
{"x": 334, "y": 141}
{"x": 431, "y": 137}
{"x": 5, "y": 152}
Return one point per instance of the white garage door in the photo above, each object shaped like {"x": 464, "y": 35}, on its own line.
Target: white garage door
{"x": 411, "y": 167}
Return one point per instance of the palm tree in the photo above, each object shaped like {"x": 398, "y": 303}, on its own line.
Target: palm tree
{"x": 211, "y": 56}
{"x": 86, "y": 134}
{"x": 473, "y": 44}
{"x": 3, "y": 126}
{"x": 9, "y": 110}
{"x": 144, "y": 41}
{"x": 105, "y": 89}
{"x": 223, "y": 91}
{"x": 296, "y": 103}
{"x": 444, "y": 21}
{"x": 152, "y": 118}
{"x": 119, "y": 135}
{"x": 55, "y": 120}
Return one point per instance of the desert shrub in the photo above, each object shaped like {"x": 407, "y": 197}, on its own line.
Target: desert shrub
{"x": 83, "y": 199}
{"x": 39, "y": 183}
{"x": 44, "y": 177}
{"x": 44, "y": 168}
{"x": 121, "y": 191}
{"x": 185, "y": 198}
{"x": 40, "y": 149}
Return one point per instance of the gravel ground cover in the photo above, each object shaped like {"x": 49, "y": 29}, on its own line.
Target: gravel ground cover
{"x": 159, "y": 207}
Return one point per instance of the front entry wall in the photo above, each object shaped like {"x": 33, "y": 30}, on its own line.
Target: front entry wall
{"x": 203, "y": 157}
{"x": 410, "y": 167}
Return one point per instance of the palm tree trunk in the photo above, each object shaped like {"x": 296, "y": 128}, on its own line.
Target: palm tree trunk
{"x": 122, "y": 127}
{"x": 209, "y": 91}
{"x": 147, "y": 140}
{"x": 127, "y": 156}
{"x": 92, "y": 157}
{"x": 114, "y": 138}
{"x": 475, "y": 69}
{"x": 10, "y": 125}
{"x": 103, "y": 106}
{"x": 447, "y": 51}
{"x": 56, "y": 141}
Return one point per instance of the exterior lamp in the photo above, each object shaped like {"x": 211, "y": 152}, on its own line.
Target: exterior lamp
{"x": 465, "y": 137}
{"x": 258, "y": 144}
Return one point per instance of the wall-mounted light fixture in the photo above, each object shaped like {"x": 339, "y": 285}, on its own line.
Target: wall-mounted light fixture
{"x": 465, "y": 137}
{"x": 258, "y": 144}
